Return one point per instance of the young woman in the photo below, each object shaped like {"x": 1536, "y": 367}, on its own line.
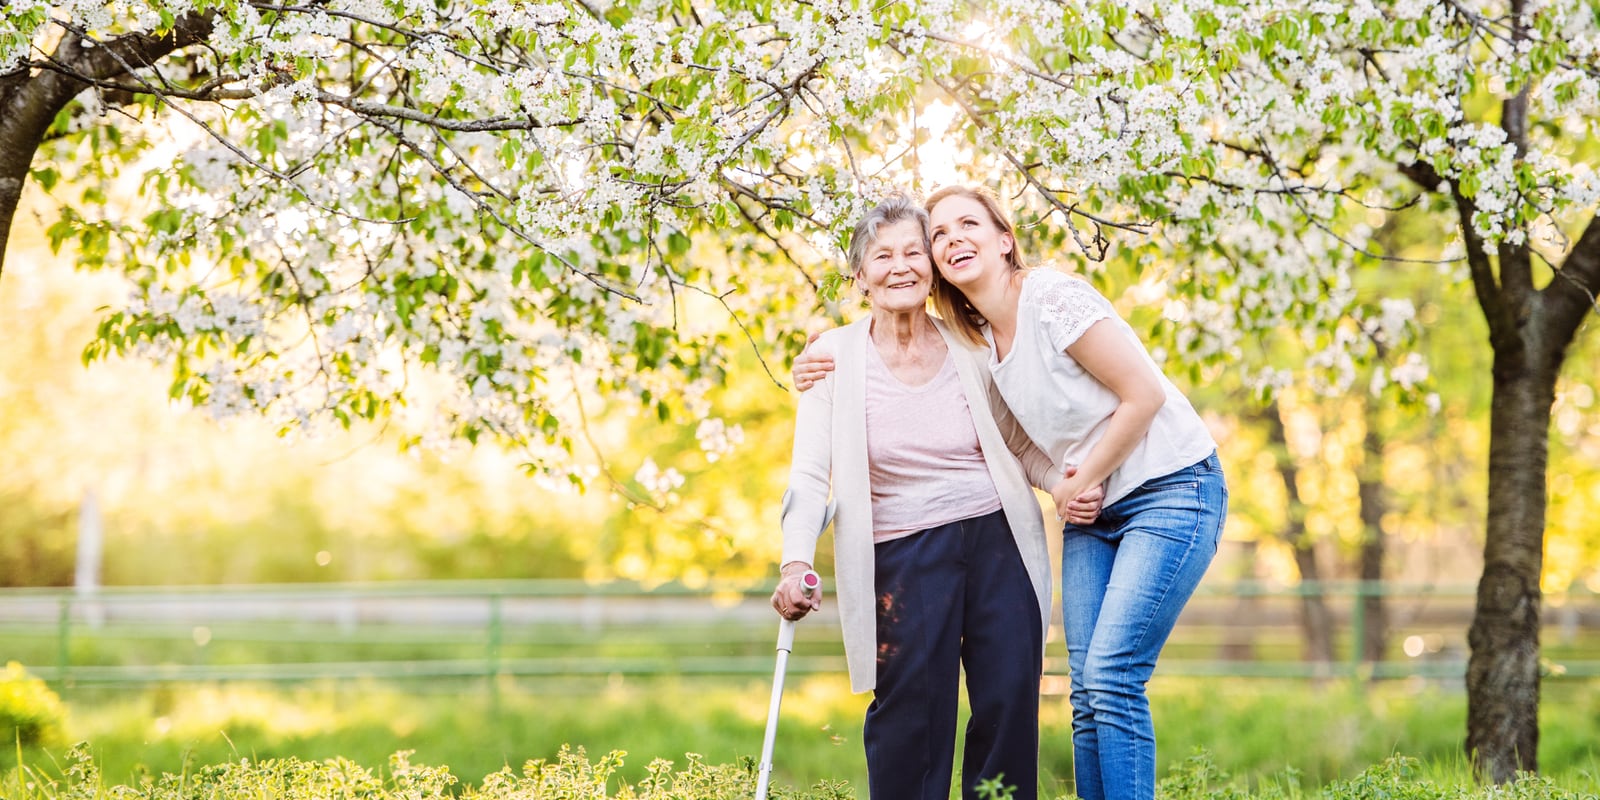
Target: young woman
{"x": 1080, "y": 383}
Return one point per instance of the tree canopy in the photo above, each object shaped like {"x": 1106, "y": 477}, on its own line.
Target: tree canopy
{"x": 355, "y": 208}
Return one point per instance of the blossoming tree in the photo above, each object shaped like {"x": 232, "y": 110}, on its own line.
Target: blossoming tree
{"x": 460, "y": 208}
{"x": 1262, "y": 142}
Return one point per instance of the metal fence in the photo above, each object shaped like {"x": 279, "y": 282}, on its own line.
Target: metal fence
{"x": 423, "y": 630}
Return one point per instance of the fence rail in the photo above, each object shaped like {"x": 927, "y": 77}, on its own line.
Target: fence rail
{"x": 465, "y": 629}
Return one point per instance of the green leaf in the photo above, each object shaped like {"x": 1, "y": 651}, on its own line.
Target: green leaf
{"x": 47, "y": 177}
{"x": 63, "y": 229}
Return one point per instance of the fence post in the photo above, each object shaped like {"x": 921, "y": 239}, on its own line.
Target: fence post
{"x": 492, "y": 657}
{"x": 1358, "y": 627}
{"x": 64, "y": 643}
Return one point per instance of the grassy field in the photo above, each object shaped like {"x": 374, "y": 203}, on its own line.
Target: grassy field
{"x": 1263, "y": 733}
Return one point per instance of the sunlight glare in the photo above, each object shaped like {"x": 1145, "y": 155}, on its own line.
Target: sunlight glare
{"x": 982, "y": 34}
{"x": 937, "y": 158}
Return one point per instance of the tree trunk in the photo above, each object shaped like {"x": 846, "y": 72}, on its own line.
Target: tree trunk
{"x": 1503, "y": 672}
{"x": 1316, "y": 623}
{"x": 20, "y": 133}
{"x": 1374, "y": 606}
{"x": 1529, "y": 331}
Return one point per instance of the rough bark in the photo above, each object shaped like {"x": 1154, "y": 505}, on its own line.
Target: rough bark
{"x": 1529, "y": 332}
{"x": 1503, "y": 671}
{"x": 27, "y": 106}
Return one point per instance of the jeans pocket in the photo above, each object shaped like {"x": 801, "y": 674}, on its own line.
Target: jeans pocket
{"x": 1186, "y": 478}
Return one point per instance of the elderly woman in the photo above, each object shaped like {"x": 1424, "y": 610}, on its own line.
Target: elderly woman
{"x": 940, "y": 556}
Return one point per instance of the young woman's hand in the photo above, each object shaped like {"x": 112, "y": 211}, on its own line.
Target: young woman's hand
{"x": 1076, "y": 504}
{"x": 810, "y": 367}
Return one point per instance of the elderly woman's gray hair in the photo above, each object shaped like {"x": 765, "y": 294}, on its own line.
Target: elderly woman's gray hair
{"x": 895, "y": 208}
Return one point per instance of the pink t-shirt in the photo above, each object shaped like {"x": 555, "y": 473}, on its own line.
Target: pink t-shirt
{"x": 924, "y": 462}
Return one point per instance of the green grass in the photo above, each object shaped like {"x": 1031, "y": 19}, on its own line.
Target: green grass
{"x": 465, "y": 725}
{"x": 574, "y": 774}
{"x": 1266, "y": 736}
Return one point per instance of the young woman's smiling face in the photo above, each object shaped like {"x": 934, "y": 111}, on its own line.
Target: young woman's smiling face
{"x": 896, "y": 273}
{"x": 967, "y": 244}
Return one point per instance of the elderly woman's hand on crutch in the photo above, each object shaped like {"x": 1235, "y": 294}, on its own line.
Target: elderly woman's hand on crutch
{"x": 799, "y": 591}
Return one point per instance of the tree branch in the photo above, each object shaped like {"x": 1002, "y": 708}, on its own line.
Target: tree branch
{"x": 1516, "y": 266}
{"x": 1572, "y": 295}
{"x": 1498, "y": 310}
{"x": 394, "y": 130}
{"x": 1098, "y": 245}
{"x": 1491, "y": 298}
{"x": 132, "y": 51}
{"x": 29, "y": 103}
{"x": 755, "y": 224}
{"x": 501, "y": 123}
{"x": 212, "y": 90}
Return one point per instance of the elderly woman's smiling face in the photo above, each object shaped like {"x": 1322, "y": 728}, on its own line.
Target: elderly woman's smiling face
{"x": 896, "y": 273}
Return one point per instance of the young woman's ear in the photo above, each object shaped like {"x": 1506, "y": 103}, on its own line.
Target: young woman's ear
{"x": 1007, "y": 242}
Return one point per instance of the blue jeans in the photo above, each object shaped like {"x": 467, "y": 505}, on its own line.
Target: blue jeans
{"x": 1124, "y": 581}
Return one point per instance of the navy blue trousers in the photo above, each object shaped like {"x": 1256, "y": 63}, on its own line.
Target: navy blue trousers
{"x": 951, "y": 597}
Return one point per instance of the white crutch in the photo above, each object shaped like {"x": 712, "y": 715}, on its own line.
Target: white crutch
{"x": 809, "y": 583}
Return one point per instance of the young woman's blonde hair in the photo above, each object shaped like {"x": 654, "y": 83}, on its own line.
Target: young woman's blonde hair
{"x": 951, "y": 305}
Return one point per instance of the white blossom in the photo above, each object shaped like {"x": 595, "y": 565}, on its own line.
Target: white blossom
{"x": 717, "y": 438}
{"x": 656, "y": 480}
{"x": 330, "y": 254}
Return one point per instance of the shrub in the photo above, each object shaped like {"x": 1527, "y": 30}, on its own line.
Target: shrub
{"x": 30, "y": 713}
{"x": 1197, "y": 778}
{"x": 570, "y": 776}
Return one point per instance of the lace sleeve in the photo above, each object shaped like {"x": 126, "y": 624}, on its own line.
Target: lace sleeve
{"x": 1068, "y": 306}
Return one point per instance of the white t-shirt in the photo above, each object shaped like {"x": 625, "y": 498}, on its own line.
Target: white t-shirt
{"x": 1063, "y": 408}
{"x": 924, "y": 463}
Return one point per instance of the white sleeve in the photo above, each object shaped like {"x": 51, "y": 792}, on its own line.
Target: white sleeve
{"x": 1067, "y": 307}
{"x": 805, "y": 503}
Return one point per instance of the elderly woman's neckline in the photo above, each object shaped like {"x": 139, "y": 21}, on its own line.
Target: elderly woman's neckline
{"x": 914, "y": 358}
{"x": 908, "y": 330}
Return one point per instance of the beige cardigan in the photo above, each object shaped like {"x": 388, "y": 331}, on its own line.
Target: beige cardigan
{"x": 830, "y": 447}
